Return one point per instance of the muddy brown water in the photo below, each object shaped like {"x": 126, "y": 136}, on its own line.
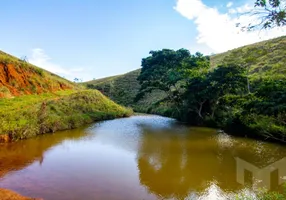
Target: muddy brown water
{"x": 141, "y": 157}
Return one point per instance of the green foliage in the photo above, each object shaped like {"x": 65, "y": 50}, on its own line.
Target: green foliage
{"x": 261, "y": 60}
{"x": 241, "y": 91}
{"x": 220, "y": 97}
{"x": 268, "y": 60}
{"x": 272, "y": 13}
{"x": 27, "y": 116}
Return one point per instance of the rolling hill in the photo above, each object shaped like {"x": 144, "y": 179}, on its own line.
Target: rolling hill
{"x": 34, "y": 101}
{"x": 267, "y": 58}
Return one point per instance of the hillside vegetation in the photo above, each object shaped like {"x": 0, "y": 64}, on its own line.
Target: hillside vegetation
{"x": 241, "y": 91}
{"x": 18, "y": 77}
{"x": 123, "y": 89}
{"x": 262, "y": 59}
{"x": 34, "y": 101}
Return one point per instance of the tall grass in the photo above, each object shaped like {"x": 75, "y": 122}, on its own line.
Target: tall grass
{"x": 27, "y": 116}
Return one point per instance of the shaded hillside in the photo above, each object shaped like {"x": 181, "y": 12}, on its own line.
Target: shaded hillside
{"x": 18, "y": 77}
{"x": 123, "y": 89}
{"x": 265, "y": 58}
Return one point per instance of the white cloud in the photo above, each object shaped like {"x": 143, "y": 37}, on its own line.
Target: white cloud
{"x": 41, "y": 59}
{"x": 218, "y": 30}
{"x": 229, "y": 4}
{"x": 241, "y": 9}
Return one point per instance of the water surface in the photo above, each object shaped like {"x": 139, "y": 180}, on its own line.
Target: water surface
{"x": 141, "y": 157}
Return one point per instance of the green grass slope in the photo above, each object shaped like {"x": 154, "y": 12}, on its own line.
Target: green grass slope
{"x": 34, "y": 101}
{"x": 263, "y": 59}
{"x": 267, "y": 58}
{"x": 31, "y": 115}
{"x": 123, "y": 89}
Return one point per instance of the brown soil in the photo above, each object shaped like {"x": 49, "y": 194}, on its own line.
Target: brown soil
{"x": 22, "y": 80}
{"x": 9, "y": 195}
{"x": 5, "y": 138}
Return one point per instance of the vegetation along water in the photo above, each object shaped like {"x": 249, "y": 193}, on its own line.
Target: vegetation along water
{"x": 242, "y": 91}
{"x": 215, "y": 128}
{"x": 141, "y": 157}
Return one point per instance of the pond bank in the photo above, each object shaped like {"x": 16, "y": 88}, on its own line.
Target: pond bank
{"x": 10, "y": 195}
{"x": 28, "y": 116}
{"x": 155, "y": 158}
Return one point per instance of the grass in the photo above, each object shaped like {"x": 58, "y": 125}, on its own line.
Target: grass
{"x": 34, "y": 101}
{"x": 27, "y": 116}
{"x": 123, "y": 89}
{"x": 263, "y": 59}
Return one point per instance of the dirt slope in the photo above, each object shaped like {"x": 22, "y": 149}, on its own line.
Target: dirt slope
{"x": 18, "y": 77}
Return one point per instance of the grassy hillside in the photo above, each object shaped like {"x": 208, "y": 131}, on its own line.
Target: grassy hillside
{"x": 31, "y": 115}
{"x": 267, "y": 58}
{"x": 123, "y": 89}
{"x": 18, "y": 77}
{"x": 262, "y": 59}
{"x": 34, "y": 101}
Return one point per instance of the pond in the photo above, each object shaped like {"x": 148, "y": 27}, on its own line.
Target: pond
{"x": 140, "y": 157}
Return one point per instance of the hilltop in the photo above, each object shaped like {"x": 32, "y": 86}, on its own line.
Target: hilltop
{"x": 18, "y": 77}
{"x": 266, "y": 58}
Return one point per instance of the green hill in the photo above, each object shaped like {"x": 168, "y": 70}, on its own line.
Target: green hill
{"x": 34, "y": 101}
{"x": 265, "y": 58}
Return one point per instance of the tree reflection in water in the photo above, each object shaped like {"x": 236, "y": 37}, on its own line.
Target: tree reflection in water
{"x": 181, "y": 162}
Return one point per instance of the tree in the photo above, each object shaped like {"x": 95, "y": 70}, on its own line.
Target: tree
{"x": 270, "y": 14}
{"x": 205, "y": 91}
{"x": 197, "y": 94}
{"x": 226, "y": 80}
{"x": 162, "y": 71}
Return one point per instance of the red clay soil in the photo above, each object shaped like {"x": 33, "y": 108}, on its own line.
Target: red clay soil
{"x": 17, "y": 80}
{"x": 5, "y": 139}
{"x": 9, "y": 195}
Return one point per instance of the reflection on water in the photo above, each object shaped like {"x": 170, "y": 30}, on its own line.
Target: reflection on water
{"x": 142, "y": 157}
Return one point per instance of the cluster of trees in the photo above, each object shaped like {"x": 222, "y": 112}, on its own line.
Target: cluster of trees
{"x": 223, "y": 96}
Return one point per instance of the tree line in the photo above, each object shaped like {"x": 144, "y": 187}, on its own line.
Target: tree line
{"x": 223, "y": 96}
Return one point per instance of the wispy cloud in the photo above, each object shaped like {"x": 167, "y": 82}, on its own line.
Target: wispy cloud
{"x": 41, "y": 59}
{"x": 218, "y": 30}
{"x": 229, "y": 4}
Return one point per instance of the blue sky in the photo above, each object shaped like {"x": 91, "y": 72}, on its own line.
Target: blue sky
{"x": 96, "y": 38}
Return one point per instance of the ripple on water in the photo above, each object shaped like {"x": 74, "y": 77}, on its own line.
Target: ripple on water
{"x": 141, "y": 157}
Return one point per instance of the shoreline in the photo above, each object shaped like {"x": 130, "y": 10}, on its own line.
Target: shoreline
{"x": 48, "y": 115}
{"x": 7, "y": 194}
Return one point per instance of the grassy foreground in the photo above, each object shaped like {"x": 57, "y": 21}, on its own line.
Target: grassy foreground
{"x": 31, "y": 115}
